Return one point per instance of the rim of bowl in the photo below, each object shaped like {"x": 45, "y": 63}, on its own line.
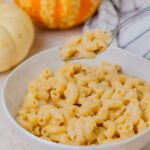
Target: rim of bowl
{"x": 50, "y": 143}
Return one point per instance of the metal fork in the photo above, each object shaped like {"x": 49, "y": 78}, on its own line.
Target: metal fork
{"x": 139, "y": 14}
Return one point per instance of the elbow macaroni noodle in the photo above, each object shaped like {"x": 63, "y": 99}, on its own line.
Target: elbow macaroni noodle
{"x": 87, "y": 45}
{"x": 86, "y": 105}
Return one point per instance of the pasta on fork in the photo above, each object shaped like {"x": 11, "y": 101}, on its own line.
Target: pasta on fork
{"x": 87, "y": 45}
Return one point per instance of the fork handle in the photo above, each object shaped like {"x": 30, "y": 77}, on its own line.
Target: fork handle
{"x": 139, "y": 14}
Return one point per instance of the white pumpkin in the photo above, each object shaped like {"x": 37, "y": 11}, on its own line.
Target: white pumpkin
{"x": 16, "y": 35}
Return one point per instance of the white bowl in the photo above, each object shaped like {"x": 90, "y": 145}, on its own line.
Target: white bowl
{"x": 15, "y": 88}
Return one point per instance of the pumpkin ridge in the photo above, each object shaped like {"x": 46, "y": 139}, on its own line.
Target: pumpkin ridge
{"x": 11, "y": 37}
{"x": 17, "y": 52}
{"x": 85, "y": 7}
{"x": 57, "y": 13}
{"x": 16, "y": 18}
{"x": 21, "y": 21}
{"x": 35, "y": 13}
{"x": 8, "y": 34}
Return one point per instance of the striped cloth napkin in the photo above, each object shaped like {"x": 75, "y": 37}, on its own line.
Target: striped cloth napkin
{"x": 134, "y": 37}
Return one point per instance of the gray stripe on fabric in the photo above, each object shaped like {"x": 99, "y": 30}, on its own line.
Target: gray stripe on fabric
{"x": 139, "y": 36}
{"x": 147, "y": 56}
{"x": 114, "y": 5}
{"x": 148, "y": 51}
{"x": 135, "y": 5}
{"x": 107, "y": 10}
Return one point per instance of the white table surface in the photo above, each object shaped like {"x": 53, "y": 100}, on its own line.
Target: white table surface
{"x": 44, "y": 39}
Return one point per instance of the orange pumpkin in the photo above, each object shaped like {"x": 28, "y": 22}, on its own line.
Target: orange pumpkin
{"x": 59, "y": 14}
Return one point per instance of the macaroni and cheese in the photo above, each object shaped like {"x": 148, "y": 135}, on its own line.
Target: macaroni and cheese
{"x": 86, "y": 105}
{"x": 87, "y": 45}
